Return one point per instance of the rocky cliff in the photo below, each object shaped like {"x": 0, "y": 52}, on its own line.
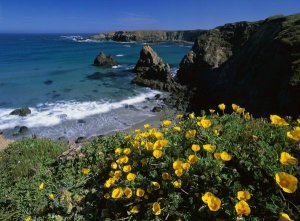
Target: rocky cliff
{"x": 150, "y": 36}
{"x": 256, "y": 65}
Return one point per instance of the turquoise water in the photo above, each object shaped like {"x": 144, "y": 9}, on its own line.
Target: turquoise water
{"x": 48, "y": 74}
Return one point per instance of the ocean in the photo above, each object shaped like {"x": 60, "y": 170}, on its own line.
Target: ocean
{"x": 50, "y": 75}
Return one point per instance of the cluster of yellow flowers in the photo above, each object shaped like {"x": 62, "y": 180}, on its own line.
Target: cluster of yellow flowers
{"x": 286, "y": 181}
{"x": 125, "y": 169}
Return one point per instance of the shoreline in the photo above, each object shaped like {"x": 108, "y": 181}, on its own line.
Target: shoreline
{"x": 166, "y": 112}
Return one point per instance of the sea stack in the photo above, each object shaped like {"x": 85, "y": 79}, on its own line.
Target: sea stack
{"x": 105, "y": 61}
{"x": 152, "y": 71}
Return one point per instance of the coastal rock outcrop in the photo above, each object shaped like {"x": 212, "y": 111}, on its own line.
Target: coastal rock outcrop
{"x": 152, "y": 72}
{"x": 254, "y": 64}
{"x": 105, "y": 61}
{"x": 150, "y": 36}
{"x": 21, "y": 112}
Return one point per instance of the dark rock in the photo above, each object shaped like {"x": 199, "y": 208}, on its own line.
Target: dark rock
{"x": 157, "y": 96}
{"x": 81, "y": 140}
{"x": 81, "y": 121}
{"x": 21, "y": 112}
{"x": 103, "y": 61}
{"x": 48, "y": 82}
{"x": 23, "y": 130}
{"x": 95, "y": 91}
{"x": 152, "y": 72}
{"x": 1, "y": 132}
{"x": 101, "y": 76}
{"x": 63, "y": 140}
{"x": 157, "y": 109}
{"x": 149, "y": 36}
{"x": 256, "y": 65}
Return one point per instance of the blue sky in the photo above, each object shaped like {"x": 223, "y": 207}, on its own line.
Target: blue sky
{"x": 93, "y": 16}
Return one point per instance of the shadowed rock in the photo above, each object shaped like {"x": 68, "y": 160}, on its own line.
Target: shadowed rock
{"x": 103, "y": 61}
{"x": 21, "y": 112}
{"x": 253, "y": 64}
{"x": 152, "y": 72}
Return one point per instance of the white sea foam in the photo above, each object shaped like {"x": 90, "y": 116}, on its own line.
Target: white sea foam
{"x": 119, "y": 55}
{"x": 127, "y": 46}
{"x": 116, "y": 66}
{"x": 50, "y": 114}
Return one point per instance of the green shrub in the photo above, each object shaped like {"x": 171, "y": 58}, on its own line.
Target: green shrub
{"x": 182, "y": 171}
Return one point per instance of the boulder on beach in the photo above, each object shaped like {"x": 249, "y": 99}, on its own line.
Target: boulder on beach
{"x": 105, "y": 61}
{"x": 23, "y": 130}
{"x": 21, "y": 112}
{"x": 152, "y": 71}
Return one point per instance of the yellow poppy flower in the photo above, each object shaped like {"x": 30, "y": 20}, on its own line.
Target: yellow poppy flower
{"x": 127, "y": 168}
{"x": 213, "y": 203}
{"x": 287, "y": 182}
{"x": 107, "y": 183}
{"x": 190, "y": 134}
{"x": 118, "y": 173}
{"x": 159, "y": 135}
{"x": 179, "y": 116}
{"x": 217, "y": 155}
{"x": 51, "y": 196}
{"x": 205, "y": 123}
{"x": 192, "y": 159}
{"x": 177, "y": 164}
{"x": 166, "y": 123}
{"x": 117, "y": 193}
{"x": 122, "y": 160}
{"x": 130, "y": 176}
{"x": 166, "y": 176}
{"x": 247, "y": 116}
{"x": 157, "y": 154}
{"x": 222, "y": 106}
{"x": 216, "y": 132}
{"x": 212, "y": 111}
{"x": 85, "y": 171}
{"x": 235, "y": 107}
{"x": 156, "y": 185}
{"x": 156, "y": 208}
{"x": 243, "y": 195}
{"x": 240, "y": 110}
{"x": 127, "y": 151}
{"x": 159, "y": 144}
{"x": 192, "y": 115}
{"x": 118, "y": 150}
{"x": 284, "y": 217}
{"x": 176, "y": 129}
{"x": 28, "y": 218}
{"x": 128, "y": 192}
{"x": 41, "y": 186}
{"x": 287, "y": 159}
{"x": 206, "y": 196}
{"x": 146, "y": 126}
{"x": 114, "y": 165}
{"x": 242, "y": 208}
{"x": 294, "y": 134}
{"x": 140, "y": 192}
{"x": 186, "y": 166}
{"x": 208, "y": 147}
{"x": 276, "y": 120}
{"x": 135, "y": 209}
{"x": 177, "y": 184}
{"x": 179, "y": 172}
{"x": 195, "y": 147}
{"x": 225, "y": 156}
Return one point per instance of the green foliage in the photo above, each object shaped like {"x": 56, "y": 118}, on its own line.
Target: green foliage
{"x": 254, "y": 145}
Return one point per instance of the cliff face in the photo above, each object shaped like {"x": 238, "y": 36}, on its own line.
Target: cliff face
{"x": 256, "y": 65}
{"x": 150, "y": 36}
